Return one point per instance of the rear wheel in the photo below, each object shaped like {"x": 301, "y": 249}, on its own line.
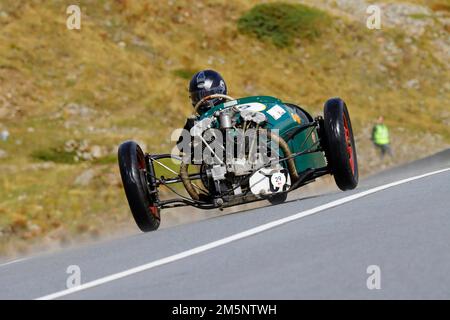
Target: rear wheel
{"x": 340, "y": 144}
{"x": 133, "y": 170}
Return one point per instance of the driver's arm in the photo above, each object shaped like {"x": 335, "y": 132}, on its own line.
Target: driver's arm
{"x": 187, "y": 126}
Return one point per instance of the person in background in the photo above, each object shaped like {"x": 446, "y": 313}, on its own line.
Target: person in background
{"x": 380, "y": 137}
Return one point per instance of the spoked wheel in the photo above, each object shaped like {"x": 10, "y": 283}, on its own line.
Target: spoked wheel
{"x": 133, "y": 170}
{"x": 340, "y": 144}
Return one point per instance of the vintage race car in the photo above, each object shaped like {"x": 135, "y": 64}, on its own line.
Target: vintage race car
{"x": 281, "y": 148}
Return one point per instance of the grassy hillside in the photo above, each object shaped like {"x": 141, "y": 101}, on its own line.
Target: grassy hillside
{"x": 69, "y": 97}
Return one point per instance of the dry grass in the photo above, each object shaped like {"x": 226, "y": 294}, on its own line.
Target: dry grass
{"x": 129, "y": 64}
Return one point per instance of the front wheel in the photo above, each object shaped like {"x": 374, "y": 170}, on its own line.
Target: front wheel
{"x": 133, "y": 170}
{"x": 340, "y": 146}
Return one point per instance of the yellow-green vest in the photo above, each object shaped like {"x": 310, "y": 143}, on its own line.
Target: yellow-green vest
{"x": 381, "y": 135}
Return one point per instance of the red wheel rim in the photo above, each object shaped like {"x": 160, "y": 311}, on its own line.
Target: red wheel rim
{"x": 142, "y": 167}
{"x": 349, "y": 145}
{"x": 154, "y": 211}
{"x": 141, "y": 160}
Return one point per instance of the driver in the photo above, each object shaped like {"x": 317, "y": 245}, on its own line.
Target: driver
{"x": 204, "y": 84}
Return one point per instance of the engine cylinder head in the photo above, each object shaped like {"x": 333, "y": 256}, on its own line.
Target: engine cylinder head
{"x": 225, "y": 121}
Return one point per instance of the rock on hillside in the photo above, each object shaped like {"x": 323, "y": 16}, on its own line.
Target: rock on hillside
{"x": 416, "y": 21}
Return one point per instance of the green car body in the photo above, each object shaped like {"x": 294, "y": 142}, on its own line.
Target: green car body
{"x": 285, "y": 118}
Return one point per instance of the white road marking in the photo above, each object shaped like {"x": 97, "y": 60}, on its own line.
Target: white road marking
{"x": 12, "y": 262}
{"x": 235, "y": 237}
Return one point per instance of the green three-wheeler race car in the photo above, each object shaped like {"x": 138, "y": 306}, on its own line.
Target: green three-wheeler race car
{"x": 281, "y": 148}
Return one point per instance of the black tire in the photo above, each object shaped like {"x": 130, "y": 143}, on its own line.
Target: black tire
{"x": 133, "y": 168}
{"x": 339, "y": 143}
{"x": 278, "y": 198}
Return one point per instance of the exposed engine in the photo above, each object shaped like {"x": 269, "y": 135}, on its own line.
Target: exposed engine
{"x": 238, "y": 155}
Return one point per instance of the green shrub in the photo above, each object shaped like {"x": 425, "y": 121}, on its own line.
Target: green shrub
{"x": 109, "y": 159}
{"x": 184, "y": 73}
{"x": 419, "y": 16}
{"x": 282, "y": 23}
{"x": 55, "y": 155}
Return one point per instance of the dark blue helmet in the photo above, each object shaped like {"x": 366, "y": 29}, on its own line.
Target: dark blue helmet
{"x": 206, "y": 83}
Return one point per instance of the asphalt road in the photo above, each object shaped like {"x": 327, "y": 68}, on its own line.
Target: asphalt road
{"x": 318, "y": 247}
